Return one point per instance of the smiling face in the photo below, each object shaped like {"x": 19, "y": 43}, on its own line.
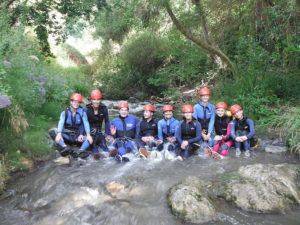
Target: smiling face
{"x": 239, "y": 114}
{"x": 124, "y": 112}
{"x": 204, "y": 98}
{"x": 74, "y": 104}
{"x": 188, "y": 115}
{"x": 96, "y": 103}
{"x": 168, "y": 115}
{"x": 148, "y": 114}
{"x": 220, "y": 112}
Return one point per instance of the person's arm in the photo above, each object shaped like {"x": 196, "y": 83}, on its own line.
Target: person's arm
{"x": 195, "y": 113}
{"x": 178, "y": 134}
{"x": 232, "y": 132}
{"x": 106, "y": 121}
{"x": 228, "y": 132}
{"x": 251, "y": 127}
{"x": 212, "y": 120}
{"x": 138, "y": 130}
{"x": 160, "y": 131}
{"x": 86, "y": 123}
{"x": 61, "y": 122}
{"x": 198, "y": 134}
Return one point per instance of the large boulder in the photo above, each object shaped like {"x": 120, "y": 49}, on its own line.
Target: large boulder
{"x": 4, "y": 101}
{"x": 261, "y": 188}
{"x": 189, "y": 201}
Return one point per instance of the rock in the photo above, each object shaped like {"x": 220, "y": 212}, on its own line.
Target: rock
{"x": 62, "y": 160}
{"x": 275, "y": 149}
{"x": 34, "y": 58}
{"x": 4, "y": 101}
{"x": 189, "y": 202}
{"x": 114, "y": 188}
{"x": 261, "y": 188}
{"x": 7, "y": 64}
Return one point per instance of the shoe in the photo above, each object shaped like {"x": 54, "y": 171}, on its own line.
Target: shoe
{"x": 217, "y": 156}
{"x": 125, "y": 159}
{"x": 247, "y": 153}
{"x": 65, "y": 151}
{"x": 118, "y": 158}
{"x": 238, "y": 152}
{"x": 83, "y": 154}
{"x": 144, "y": 153}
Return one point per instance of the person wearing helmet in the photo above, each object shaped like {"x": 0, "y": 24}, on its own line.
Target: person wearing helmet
{"x": 146, "y": 135}
{"x": 204, "y": 112}
{"x": 73, "y": 128}
{"x": 222, "y": 140}
{"x": 188, "y": 133}
{"x": 97, "y": 113}
{"x": 242, "y": 130}
{"x": 123, "y": 129}
{"x": 166, "y": 129}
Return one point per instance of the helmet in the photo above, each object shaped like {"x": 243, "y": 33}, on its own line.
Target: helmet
{"x": 76, "y": 97}
{"x": 204, "y": 91}
{"x": 150, "y": 107}
{"x": 123, "y": 104}
{"x": 96, "y": 95}
{"x": 221, "y": 105}
{"x": 235, "y": 108}
{"x": 168, "y": 108}
{"x": 187, "y": 109}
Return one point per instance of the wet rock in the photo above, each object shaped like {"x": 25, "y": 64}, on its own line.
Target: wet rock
{"x": 275, "y": 149}
{"x": 62, "y": 160}
{"x": 261, "y": 188}
{"x": 189, "y": 202}
{"x": 115, "y": 188}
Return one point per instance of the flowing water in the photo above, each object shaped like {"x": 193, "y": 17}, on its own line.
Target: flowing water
{"x": 76, "y": 193}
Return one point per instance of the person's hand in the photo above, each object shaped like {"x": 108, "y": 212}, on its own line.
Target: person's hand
{"x": 208, "y": 136}
{"x": 218, "y": 138}
{"x": 58, "y": 137}
{"x": 238, "y": 139}
{"x": 150, "y": 138}
{"x": 159, "y": 142}
{"x": 204, "y": 136}
{"x": 89, "y": 138}
{"x": 171, "y": 139}
{"x": 244, "y": 138}
{"x": 184, "y": 144}
{"x": 113, "y": 130}
{"x": 145, "y": 139}
{"x": 109, "y": 138}
{"x": 80, "y": 138}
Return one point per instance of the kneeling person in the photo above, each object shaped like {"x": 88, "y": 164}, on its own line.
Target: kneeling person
{"x": 188, "y": 133}
{"x": 73, "y": 128}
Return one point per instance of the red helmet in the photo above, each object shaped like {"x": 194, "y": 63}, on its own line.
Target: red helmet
{"x": 96, "y": 95}
{"x": 76, "y": 97}
{"x": 150, "y": 107}
{"x": 221, "y": 105}
{"x": 204, "y": 91}
{"x": 235, "y": 108}
{"x": 168, "y": 108}
{"x": 123, "y": 104}
{"x": 187, "y": 109}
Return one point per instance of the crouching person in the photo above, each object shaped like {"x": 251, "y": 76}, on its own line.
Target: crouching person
{"x": 73, "y": 129}
{"x": 166, "y": 130}
{"x": 222, "y": 139}
{"x": 188, "y": 133}
{"x": 123, "y": 129}
{"x": 146, "y": 135}
{"x": 242, "y": 130}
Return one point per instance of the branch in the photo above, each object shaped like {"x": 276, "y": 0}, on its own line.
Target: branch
{"x": 198, "y": 41}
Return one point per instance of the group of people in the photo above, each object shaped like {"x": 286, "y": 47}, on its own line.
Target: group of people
{"x": 207, "y": 129}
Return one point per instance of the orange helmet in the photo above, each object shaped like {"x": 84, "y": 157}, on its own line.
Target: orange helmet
{"x": 235, "y": 108}
{"x": 221, "y": 105}
{"x": 96, "y": 95}
{"x": 167, "y": 108}
{"x": 204, "y": 91}
{"x": 123, "y": 104}
{"x": 76, "y": 97}
{"x": 187, "y": 109}
{"x": 150, "y": 107}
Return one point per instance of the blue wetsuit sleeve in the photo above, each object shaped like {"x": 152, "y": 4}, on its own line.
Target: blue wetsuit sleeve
{"x": 212, "y": 120}
{"x": 107, "y": 123}
{"x": 232, "y": 133}
{"x": 251, "y": 128}
{"x": 137, "y": 133}
{"x": 86, "y": 123}
{"x": 195, "y": 113}
{"x": 178, "y": 133}
{"x": 198, "y": 134}
{"x": 61, "y": 122}
{"x": 159, "y": 131}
